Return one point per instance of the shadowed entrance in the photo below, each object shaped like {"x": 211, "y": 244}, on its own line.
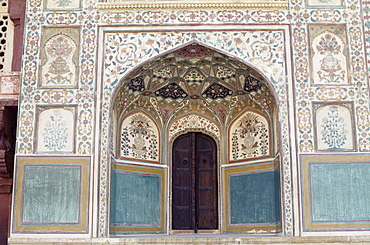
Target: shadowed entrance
{"x": 194, "y": 185}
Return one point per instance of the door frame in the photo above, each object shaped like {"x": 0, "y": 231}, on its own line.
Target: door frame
{"x": 219, "y": 184}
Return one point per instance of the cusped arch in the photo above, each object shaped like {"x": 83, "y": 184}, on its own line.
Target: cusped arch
{"x": 193, "y": 122}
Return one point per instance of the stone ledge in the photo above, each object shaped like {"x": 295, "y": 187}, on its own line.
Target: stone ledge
{"x": 206, "y": 240}
{"x": 133, "y": 5}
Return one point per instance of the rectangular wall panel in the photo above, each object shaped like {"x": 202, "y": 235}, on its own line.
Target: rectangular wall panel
{"x": 137, "y": 199}
{"x": 51, "y": 195}
{"x": 336, "y": 193}
{"x": 252, "y": 198}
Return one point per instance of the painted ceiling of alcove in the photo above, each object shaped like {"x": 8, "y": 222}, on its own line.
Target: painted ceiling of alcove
{"x": 194, "y": 78}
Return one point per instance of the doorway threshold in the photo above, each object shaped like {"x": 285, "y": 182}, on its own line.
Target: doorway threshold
{"x": 194, "y": 232}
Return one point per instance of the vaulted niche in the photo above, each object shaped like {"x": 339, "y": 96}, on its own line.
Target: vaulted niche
{"x": 194, "y": 90}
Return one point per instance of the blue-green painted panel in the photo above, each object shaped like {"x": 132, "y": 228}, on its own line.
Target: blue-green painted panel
{"x": 340, "y": 192}
{"x": 51, "y": 194}
{"x": 254, "y": 198}
{"x": 135, "y": 199}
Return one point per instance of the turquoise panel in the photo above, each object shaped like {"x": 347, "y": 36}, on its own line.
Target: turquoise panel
{"x": 254, "y": 198}
{"x": 340, "y": 192}
{"x": 135, "y": 199}
{"x": 51, "y": 194}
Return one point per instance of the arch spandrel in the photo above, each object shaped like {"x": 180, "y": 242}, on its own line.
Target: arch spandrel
{"x": 145, "y": 104}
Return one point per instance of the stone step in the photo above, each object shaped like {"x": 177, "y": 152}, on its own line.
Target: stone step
{"x": 198, "y": 240}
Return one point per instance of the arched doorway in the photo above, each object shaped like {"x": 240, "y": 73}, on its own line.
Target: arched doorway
{"x": 194, "y": 183}
{"x": 195, "y": 89}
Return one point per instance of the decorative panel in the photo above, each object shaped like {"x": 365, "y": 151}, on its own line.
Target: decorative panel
{"x": 155, "y": 64}
{"x": 336, "y": 195}
{"x": 252, "y": 198}
{"x": 139, "y": 138}
{"x": 334, "y": 127}
{"x": 193, "y": 122}
{"x": 249, "y": 137}
{"x": 9, "y": 85}
{"x": 138, "y": 199}
{"x": 51, "y": 195}
{"x": 55, "y": 129}
{"x": 328, "y": 54}
{"x": 190, "y": 5}
{"x": 62, "y": 4}
{"x": 59, "y": 57}
{"x": 325, "y": 3}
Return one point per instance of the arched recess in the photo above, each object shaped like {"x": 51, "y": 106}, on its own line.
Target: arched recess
{"x": 139, "y": 138}
{"x": 252, "y": 188}
{"x": 190, "y": 89}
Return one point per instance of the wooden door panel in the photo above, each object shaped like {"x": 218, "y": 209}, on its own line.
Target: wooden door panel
{"x": 206, "y": 183}
{"x": 194, "y": 186}
{"x": 182, "y": 184}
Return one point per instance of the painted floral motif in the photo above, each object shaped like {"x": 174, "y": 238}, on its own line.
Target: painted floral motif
{"x": 334, "y": 127}
{"x": 251, "y": 84}
{"x": 63, "y": 3}
{"x": 126, "y": 52}
{"x": 217, "y": 91}
{"x": 59, "y": 68}
{"x": 334, "y": 133}
{"x": 172, "y": 90}
{"x": 194, "y": 122}
{"x": 325, "y": 3}
{"x": 139, "y": 138}
{"x": 137, "y": 84}
{"x": 55, "y": 132}
{"x": 249, "y": 137}
{"x": 328, "y": 52}
{"x": 262, "y": 50}
{"x": 194, "y": 51}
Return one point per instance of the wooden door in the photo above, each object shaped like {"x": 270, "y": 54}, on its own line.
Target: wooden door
{"x": 194, "y": 183}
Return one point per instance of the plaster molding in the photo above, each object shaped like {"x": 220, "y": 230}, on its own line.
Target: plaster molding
{"x": 120, "y": 5}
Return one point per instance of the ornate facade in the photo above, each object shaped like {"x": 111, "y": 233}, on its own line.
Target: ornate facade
{"x": 162, "y": 118}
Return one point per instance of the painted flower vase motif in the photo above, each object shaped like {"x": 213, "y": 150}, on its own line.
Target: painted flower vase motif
{"x": 328, "y": 51}
{"x": 139, "y": 146}
{"x": 250, "y": 137}
{"x": 249, "y": 143}
{"x": 59, "y": 69}
{"x": 139, "y": 136}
